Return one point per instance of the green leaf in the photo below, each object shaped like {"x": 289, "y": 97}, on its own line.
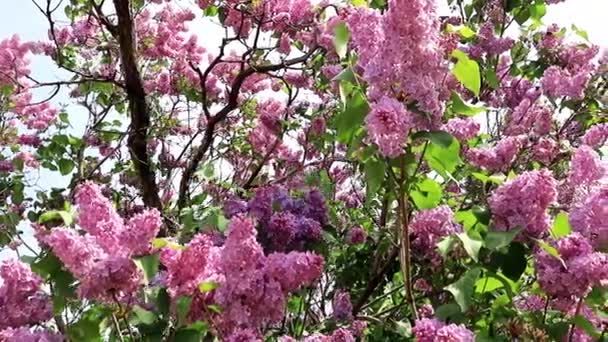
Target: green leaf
{"x": 211, "y": 11}
{"x": 359, "y": 3}
{"x": 163, "y": 302}
{"x": 497, "y": 240}
{"x": 374, "y": 175}
{"x": 347, "y": 75}
{"x": 443, "y": 160}
{"x": 509, "y": 285}
{"x": 17, "y": 194}
{"x": 441, "y": 138}
{"x": 87, "y": 328}
{"x": 342, "y": 36}
{"x": 447, "y": 312}
{"x": 215, "y": 308}
{"x": 538, "y": 10}
{"x": 445, "y": 246}
{"x": 427, "y": 194}
{"x": 56, "y": 215}
{"x": 183, "y": 308}
{"x": 482, "y": 214}
{"x": 491, "y": 78}
{"x": 460, "y": 107}
{"x": 470, "y": 245}
{"x": 188, "y": 335}
{"x": 351, "y": 119}
{"x": 552, "y": 251}
{"x": 513, "y": 263}
{"x": 587, "y": 326}
{"x": 7, "y": 89}
{"x": 558, "y": 330}
{"x": 403, "y": 328}
{"x": 149, "y": 265}
{"x": 512, "y": 4}
{"x": 522, "y": 15}
{"x": 161, "y": 243}
{"x": 207, "y": 286}
{"x": 467, "y": 72}
{"x": 47, "y": 266}
{"x": 65, "y": 166}
{"x": 580, "y": 32}
{"x": 464, "y": 288}
{"x": 466, "y": 32}
{"x": 487, "y": 284}
{"x": 144, "y": 316}
{"x": 549, "y": 249}
{"x": 561, "y": 226}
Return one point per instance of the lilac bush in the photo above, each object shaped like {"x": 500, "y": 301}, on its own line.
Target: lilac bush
{"x": 298, "y": 170}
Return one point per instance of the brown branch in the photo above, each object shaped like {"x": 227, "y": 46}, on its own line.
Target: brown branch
{"x": 138, "y": 107}
{"x": 375, "y": 281}
{"x": 222, "y": 114}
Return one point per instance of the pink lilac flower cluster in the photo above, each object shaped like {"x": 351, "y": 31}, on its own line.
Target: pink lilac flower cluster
{"x": 355, "y": 236}
{"x": 25, "y": 334}
{"x": 428, "y": 227}
{"x": 412, "y": 64}
{"x": 530, "y": 302}
{"x": 183, "y": 279}
{"x": 101, "y": 257}
{"x": 252, "y": 287}
{"x": 388, "y": 125}
{"x": 497, "y": 158}
{"x": 14, "y": 72}
{"x": 342, "y": 306}
{"x": 462, "y": 129}
{"x": 577, "y": 270}
{"x": 523, "y": 202}
{"x": 162, "y": 36}
{"x": 339, "y": 335}
{"x": 14, "y": 65}
{"x": 570, "y": 79}
{"x": 589, "y": 207}
{"x": 285, "y": 222}
{"x": 22, "y": 300}
{"x": 426, "y": 311}
{"x": 529, "y": 118}
{"x": 589, "y": 217}
{"x": 569, "y": 306}
{"x": 586, "y": 167}
{"x": 433, "y": 330}
{"x": 545, "y": 150}
{"x": 489, "y": 42}
{"x": 596, "y": 136}
{"x": 513, "y": 90}
{"x": 557, "y": 82}
{"x": 266, "y": 133}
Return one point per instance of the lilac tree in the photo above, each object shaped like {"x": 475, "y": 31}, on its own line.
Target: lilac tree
{"x": 328, "y": 171}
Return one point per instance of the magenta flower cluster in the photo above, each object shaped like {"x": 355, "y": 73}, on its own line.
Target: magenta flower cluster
{"x": 252, "y": 287}
{"x": 575, "y": 272}
{"x": 523, "y": 202}
{"x": 411, "y": 65}
{"x": 433, "y": 330}
{"x": 101, "y": 257}
{"x": 429, "y": 227}
{"x": 285, "y": 222}
{"x": 22, "y": 299}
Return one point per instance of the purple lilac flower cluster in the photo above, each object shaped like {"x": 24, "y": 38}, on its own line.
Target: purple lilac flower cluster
{"x": 285, "y": 222}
